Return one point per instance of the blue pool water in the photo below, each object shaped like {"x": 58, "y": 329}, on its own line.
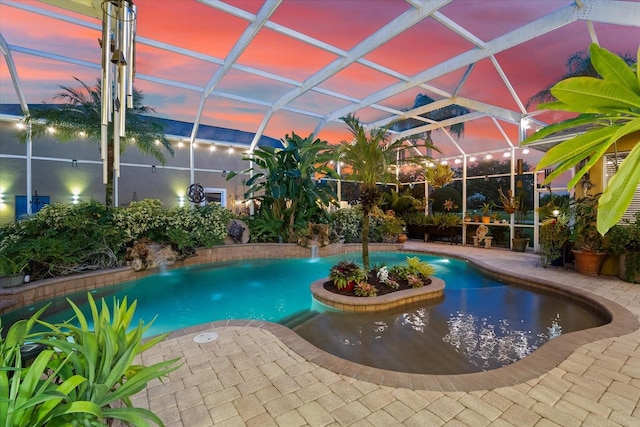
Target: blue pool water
{"x": 476, "y": 311}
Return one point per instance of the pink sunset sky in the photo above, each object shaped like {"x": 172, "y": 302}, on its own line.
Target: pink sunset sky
{"x": 243, "y": 97}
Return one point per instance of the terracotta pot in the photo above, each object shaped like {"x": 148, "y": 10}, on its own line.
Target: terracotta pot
{"x": 402, "y": 238}
{"x": 486, "y": 219}
{"x": 589, "y": 263}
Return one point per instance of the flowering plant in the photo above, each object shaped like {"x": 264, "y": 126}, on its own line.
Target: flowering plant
{"x": 364, "y": 289}
{"x": 414, "y": 281}
{"x": 345, "y": 272}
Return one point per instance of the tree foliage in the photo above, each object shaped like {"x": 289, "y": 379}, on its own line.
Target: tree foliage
{"x": 79, "y": 116}
{"x": 609, "y": 110}
{"x": 286, "y": 182}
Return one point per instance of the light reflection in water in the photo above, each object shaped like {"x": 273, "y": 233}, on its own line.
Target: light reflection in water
{"x": 478, "y": 340}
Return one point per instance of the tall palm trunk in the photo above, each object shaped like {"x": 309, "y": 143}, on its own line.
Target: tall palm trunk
{"x": 365, "y": 236}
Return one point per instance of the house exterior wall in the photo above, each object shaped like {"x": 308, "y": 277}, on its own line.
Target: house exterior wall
{"x": 54, "y": 175}
{"x": 597, "y": 173}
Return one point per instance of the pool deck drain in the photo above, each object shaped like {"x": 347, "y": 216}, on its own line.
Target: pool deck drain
{"x": 205, "y": 337}
{"x": 254, "y": 374}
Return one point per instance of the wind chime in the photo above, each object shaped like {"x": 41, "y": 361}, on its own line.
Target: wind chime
{"x": 118, "y": 68}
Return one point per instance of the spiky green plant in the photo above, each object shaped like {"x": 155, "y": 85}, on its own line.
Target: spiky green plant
{"x": 419, "y": 267}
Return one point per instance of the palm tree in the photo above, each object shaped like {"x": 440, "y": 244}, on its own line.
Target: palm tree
{"x": 81, "y": 115}
{"x": 578, "y": 65}
{"x": 370, "y": 155}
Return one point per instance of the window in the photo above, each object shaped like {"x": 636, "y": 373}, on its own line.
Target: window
{"x": 612, "y": 160}
{"x": 215, "y": 195}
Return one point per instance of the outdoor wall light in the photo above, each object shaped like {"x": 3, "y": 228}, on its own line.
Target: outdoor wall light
{"x": 224, "y": 174}
{"x": 74, "y": 163}
{"x": 525, "y": 151}
{"x": 444, "y": 162}
{"x": 212, "y": 148}
{"x": 488, "y": 156}
{"x": 457, "y": 161}
{"x": 230, "y": 150}
{"x": 181, "y": 201}
{"x": 153, "y": 169}
{"x": 506, "y": 154}
{"x": 75, "y": 198}
{"x": 472, "y": 159}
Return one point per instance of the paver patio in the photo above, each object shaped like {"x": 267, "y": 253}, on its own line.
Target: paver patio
{"x": 254, "y": 375}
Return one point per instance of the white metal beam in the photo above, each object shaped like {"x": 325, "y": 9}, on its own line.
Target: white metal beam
{"x": 543, "y": 25}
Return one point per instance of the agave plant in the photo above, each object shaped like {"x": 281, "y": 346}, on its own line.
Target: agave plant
{"x": 609, "y": 108}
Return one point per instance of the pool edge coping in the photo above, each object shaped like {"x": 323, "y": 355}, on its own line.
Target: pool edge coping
{"x": 541, "y": 361}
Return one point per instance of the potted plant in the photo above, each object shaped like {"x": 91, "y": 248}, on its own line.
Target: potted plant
{"x": 486, "y": 213}
{"x": 624, "y": 241}
{"x": 588, "y": 250}
{"x": 346, "y": 274}
{"x": 554, "y": 238}
{"x": 12, "y": 270}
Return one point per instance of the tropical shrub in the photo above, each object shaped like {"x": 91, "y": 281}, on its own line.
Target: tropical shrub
{"x": 345, "y": 272}
{"x": 348, "y": 224}
{"x": 65, "y": 239}
{"x": 420, "y": 268}
{"x": 365, "y": 289}
{"x": 608, "y": 108}
{"x": 83, "y": 376}
{"x": 284, "y": 181}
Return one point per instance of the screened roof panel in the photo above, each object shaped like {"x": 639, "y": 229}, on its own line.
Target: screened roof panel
{"x": 163, "y": 64}
{"x": 319, "y": 103}
{"x": 253, "y": 86}
{"x": 342, "y": 24}
{"x": 308, "y": 63}
{"x": 204, "y": 29}
{"x": 287, "y": 59}
{"x": 415, "y": 49}
{"x": 357, "y": 81}
{"x": 489, "y": 19}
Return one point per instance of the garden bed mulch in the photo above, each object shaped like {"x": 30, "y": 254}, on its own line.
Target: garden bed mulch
{"x": 372, "y": 279}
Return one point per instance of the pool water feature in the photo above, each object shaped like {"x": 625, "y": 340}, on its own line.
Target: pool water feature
{"x": 277, "y": 290}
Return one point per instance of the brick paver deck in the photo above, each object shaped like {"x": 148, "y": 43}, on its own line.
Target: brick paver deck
{"x": 260, "y": 374}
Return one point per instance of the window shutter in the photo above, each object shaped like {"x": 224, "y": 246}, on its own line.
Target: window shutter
{"x": 610, "y": 169}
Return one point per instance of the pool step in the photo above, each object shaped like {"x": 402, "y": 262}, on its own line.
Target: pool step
{"x": 298, "y": 318}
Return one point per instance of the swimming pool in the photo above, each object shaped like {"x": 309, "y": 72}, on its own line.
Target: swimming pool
{"x": 277, "y": 290}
